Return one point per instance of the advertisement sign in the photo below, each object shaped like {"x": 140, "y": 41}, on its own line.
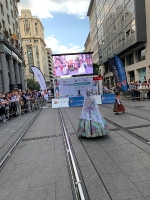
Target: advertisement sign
{"x": 113, "y": 67}
{"x": 108, "y": 98}
{"x": 72, "y": 64}
{"x": 97, "y": 78}
{"x": 60, "y": 103}
{"x": 78, "y": 101}
{"x": 121, "y": 73}
{"x": 40, "y": 78}
{"x": 74, "y": 87}
{"x": 98, "y": 99}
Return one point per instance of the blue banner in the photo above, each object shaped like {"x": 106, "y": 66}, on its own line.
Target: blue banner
{"x": 121, "y": 73}
{"x": 112, "y": 65}
{"x": 76, "y": 101}
{"x": 108, "y": 98}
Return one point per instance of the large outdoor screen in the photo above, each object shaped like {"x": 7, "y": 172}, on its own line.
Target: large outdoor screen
{"x": 72, "y": 64}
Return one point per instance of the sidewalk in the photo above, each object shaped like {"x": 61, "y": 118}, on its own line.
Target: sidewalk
{"x": 115, "y": 167}
{"x": 37, "y": 169}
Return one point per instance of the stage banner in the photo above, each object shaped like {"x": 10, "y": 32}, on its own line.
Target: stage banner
{"x": 60, "y": 103}
{"x": 121, "y": 73}
{"x": 112, "y": 65}
{"x": 74, "y": 87}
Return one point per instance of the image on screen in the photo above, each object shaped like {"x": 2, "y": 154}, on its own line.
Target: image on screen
{"x": 72, "y": 64}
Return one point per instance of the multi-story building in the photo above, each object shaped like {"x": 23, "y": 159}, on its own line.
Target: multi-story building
{"x": 51, "y": 66}
{"x": 33, "y": 43}
{"x": 93, "y": 32}
{"x": 87, "y": 44}
{"x": 123, "y": 30}
{"x": 11, "y": 57}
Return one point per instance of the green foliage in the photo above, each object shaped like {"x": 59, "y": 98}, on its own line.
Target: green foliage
{"x": 32, "y": 85}
{"x": 95, "y": 69}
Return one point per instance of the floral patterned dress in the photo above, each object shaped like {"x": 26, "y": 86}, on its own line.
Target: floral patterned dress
{"x": 91, "y": 123}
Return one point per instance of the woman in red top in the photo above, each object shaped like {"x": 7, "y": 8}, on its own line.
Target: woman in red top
{"x": 118, "y": 107}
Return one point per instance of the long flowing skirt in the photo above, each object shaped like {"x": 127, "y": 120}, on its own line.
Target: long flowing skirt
{"x": 92, "y": 129}
{"x": 118, "y": 108}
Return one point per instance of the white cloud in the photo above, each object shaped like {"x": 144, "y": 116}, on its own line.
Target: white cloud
{"x": 82, "y": 18}
{"x": 45, "y": 8}
{"x": 57, "y": 47}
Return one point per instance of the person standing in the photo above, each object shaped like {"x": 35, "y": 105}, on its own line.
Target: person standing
{"x": 118, "y": 107}
{"x": 91, "y": 123}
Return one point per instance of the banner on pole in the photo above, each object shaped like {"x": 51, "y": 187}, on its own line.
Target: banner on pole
{"x": 113, "y": 67}
{"x": 121, "y": 73}
{"x": 41, "y": 80}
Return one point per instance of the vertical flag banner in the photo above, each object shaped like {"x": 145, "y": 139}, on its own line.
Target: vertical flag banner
{"x": 113, "y": 67}
{"x": 41, "y": 80}
{"x": 121, "y": 73}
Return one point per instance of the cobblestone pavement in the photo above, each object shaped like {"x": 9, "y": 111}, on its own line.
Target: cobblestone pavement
{"x": 115, "y": 167}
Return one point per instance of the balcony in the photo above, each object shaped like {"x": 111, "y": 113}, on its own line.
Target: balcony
{"x": 10, "y": 43}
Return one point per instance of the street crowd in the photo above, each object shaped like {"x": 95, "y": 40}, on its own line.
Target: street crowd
{"x": 17, "y": 102}
{"x": 137, "y": 90}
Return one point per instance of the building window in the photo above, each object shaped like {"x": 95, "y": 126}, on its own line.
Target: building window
{"x": 141, "y": 54}
{"x": 2, "y": 9}
{"x": 37, "y": 56}
{"x": 30, "y": 57}
{"x": 128, "y": 33}
{"x": 11, "y": 13}
{"x": 13, "y": 27}
{"x": 132, "y": 76}
{"x": 6, "y": 4}
{"x": 3, "y": 22}
{"x": 9, "y": 31}
{"x": 123, "y": 61}
{"x": 131, "y": 59}
{"x": 36, "y": 29}
{"x": 27, "y": 26}
{"x": 8, "y": 19}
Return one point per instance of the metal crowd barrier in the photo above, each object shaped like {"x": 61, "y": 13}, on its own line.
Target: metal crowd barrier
{"x": 141, "y": 94}
{"x": 39, "y": 103}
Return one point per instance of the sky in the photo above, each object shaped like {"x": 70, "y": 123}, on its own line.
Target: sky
{"x": 66, "y": 25}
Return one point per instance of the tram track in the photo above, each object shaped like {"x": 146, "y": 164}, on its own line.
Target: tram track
{"x": 128, "y": 129}
{"x": 10, "y": 151}
{"x": 129, "y": 113}
{"x": 118, "y": 128}
{"x": 75, "y": 176}
{"x": 89, "y": 159}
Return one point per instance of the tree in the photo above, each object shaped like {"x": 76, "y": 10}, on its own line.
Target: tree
{"x": 95, "y": 69}
{"x": 32, "y": 85}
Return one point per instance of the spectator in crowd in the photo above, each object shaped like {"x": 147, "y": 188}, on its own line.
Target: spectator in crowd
{"x": 16, "y": 102}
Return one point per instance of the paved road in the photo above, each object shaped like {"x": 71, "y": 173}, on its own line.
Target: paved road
{"x": 115, "y": 167}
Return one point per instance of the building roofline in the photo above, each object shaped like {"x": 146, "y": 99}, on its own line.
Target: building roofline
{"x": 90, "y": 7}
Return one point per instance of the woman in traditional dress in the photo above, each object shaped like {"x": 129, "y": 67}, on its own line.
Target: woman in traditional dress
{"x": 91, "y": 122}
{"x": 118, "y": 107}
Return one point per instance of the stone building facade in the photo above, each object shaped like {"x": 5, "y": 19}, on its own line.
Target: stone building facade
{"x": 51, "y": 66}
{"x": 123, "y": 29}
{"x": 11, "y": 54}
{"x": 33, "y": 43}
